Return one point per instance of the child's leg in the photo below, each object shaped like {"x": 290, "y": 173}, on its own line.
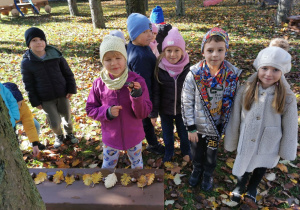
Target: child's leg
{"x": 254, "y": 181}
{"x": 37, "y": 126}
{"x": 64, "y": 110}
{"x": 53, "y": 117}
{"x": 168, "y": 135}
{"x": 183, "y": 135}
{"x": 240, "y": 188}
{"x": 135, "y": 156}
{"x": 198, "y": 151}
{"x": 110, "y": 157}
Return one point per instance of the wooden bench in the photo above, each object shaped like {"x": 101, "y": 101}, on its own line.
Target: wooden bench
{"x": 294, "y": 23}
{"x": 80, "y": 197}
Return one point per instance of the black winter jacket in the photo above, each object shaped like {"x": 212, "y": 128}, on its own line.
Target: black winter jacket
{"x": 167, "y": 94}
{"x": 163, "y": 31}
{"x": 48, "y": 78}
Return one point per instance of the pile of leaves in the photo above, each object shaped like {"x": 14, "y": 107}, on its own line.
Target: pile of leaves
{"x": 250, "y": 29}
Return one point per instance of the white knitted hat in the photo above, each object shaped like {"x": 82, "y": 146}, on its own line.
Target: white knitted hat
{"x": 275, "y": 57}
{"x": 112, "y": 43}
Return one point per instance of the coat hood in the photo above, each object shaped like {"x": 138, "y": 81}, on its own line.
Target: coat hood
{"x": 51, "y": 53}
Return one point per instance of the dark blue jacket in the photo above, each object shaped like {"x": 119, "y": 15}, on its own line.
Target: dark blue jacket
{"x": 142, "y": 61}
{"x": 48, "y": 78}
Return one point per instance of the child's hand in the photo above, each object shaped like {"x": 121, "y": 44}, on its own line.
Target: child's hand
{"x": 153, "y": 121}
{"x": 40, "y": 107}
{"x": 69, "y": 95}
{"x": 115, "y": 110}
{"x": 193, "y": 137}
{"x": 136, "y": 85}
{"x": 35, "y": 151}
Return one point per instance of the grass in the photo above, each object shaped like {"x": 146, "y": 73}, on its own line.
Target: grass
{"x": 250, "y": 30}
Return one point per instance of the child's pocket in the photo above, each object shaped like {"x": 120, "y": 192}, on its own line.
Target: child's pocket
{"x": 270, "y": 141}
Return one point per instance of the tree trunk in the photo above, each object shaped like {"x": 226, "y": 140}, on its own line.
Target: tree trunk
{"x": 180, "y": 11}
{"x": 97, "y": 14}
{"x": 17, "y": 189}
{"x": 73, "y": 7}
{"x": 137, "y": 6}
{"x": 283, "y": 11}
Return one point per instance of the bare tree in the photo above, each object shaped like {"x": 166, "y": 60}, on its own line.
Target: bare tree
{"x": 283, "y": 11}
{"x": 73, "y": 7}
{"x": 97, "y": 14}
{"x": 17, "y": 189}
{"x": 138, "y": 6}
{"x": 180, "y": 10}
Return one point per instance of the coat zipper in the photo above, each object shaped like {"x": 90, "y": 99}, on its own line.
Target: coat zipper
{"x": 175, "y": 100}
{"x": 121, "y": 128}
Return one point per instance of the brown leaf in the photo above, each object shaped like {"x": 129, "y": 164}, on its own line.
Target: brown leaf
{"x": 282, "y": 167}
{"x": 288, "y": 185}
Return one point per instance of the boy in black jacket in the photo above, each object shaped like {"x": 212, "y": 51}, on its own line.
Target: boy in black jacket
{"x": 49, "y": 83}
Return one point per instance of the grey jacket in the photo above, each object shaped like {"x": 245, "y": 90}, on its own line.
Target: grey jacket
{"x": 261, "y": 136}
{"x": 194, "y": 116}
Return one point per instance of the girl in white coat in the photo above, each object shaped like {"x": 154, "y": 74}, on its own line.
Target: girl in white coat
{"x": 263, "y": 125}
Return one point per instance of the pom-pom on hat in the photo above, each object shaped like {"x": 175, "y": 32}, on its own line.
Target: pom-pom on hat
{"x": 112, "y": 43}
{"x": 13, "y": 88}
{"x": 218, "y": 32}
{"x": 275, "y": 57}
{"x": 154, "y": 28}
{"x": 32, "y": 33}
{"x": 118, "y": 34}
{"x": 157, "y": 15}
{"x": 137, "y": 24}
{"x": 174, "y": 38}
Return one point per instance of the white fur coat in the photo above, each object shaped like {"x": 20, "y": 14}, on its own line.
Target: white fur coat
{"x": 261, "y": 136}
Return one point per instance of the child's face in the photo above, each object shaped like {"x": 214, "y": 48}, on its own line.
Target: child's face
{"x": 173, "y": 54}
{"x": 214, "y": 53}
{"x": 37, "y": 45}
{"x": 115, "y": 63}
{"x": 154, "y": 36}
{"x": 144, "y": 38}
{"x": 268, "y": 76}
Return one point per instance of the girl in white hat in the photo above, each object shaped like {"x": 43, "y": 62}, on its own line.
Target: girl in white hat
{"x": 263, "y": 126}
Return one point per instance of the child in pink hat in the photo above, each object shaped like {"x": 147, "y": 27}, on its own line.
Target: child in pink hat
{"x": 153, "y": 44}
{"x": 171, "y": 68}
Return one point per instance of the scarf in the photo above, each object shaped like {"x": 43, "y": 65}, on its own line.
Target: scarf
{"x": 153, "y": 46}
{"x": 225, "y": 78}
{"x": 174, "y": 69}
{"x": 114, "y": 84}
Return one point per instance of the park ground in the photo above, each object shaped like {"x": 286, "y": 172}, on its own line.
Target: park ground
{"x": 250, "y": 29}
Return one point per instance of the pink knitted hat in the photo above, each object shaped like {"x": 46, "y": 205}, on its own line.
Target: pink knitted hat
{"x": 174, "y": 38}
{"x": 154, "y": 28}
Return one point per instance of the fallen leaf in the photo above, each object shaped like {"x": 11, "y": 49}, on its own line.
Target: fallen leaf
{"x": 58, "y": 177}
{"x": 97, "y": 177}
{"x": 40, "y": 178}
{"x": 229, "y": 203}
{"x": 93, "y": 165}
{"x": 125, "y": 179}
{"x": 87, "y": 179}
{"x": 150, "y": 178}
{"x": 69, "y": 179}
{"x": 177, "y": 179}
{"x": 76, "y": 162}
{"x": 270, "y": 176}
{"x": 168, "y": 165}
{"x": 142, "y": 181}
{"x": 282, "y": 167}
{"x": 167, "y": 202}
{"x": 110, "y": 180}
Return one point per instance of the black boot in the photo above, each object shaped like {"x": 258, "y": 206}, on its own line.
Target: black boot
{"x": 207, "y": 182}
{"x": 254, "y": 181}
{"x": 195, "y": 176}
{"x": 240, "y": 188}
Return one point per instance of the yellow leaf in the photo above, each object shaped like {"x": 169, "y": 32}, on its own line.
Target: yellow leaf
{"x": 232, "y": 177}
{"x": 294, "y": 181}
{"x": 282, "y": 167}
{"x": 215, "y": 204}
{"x": 97, "y": 177}
{"x": 69, "y": 179}
{"x": 125, "y": 179}
{"x": 265, "y": 208}
{"x": 169, "y": 176}
{"x": 58, "y": 176}
{"x": 150, "y": 178}
{"x": 76, "y": 162}
{"x": 142, "y": 181}
{"x": 40, "y": 178}
{"x": 87, "y": 179}
{"x": 259, "y": 197}
{"x": 169, "y": 165}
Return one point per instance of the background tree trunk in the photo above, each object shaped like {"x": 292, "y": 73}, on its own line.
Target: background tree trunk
{"x": 97, "y": 14}
{"x": 283, "y": 11}
{"x": 180, "y": 11}
{"x": 17, "y": 189}
{"x": 73, "y": 7}
{"x": 137, "y": 6}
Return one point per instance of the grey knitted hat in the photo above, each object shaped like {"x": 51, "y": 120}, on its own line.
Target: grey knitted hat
{"x": 112, "y": 43}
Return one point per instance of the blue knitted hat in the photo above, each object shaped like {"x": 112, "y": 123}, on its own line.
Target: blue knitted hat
{"x": 13, "y": 88}
{"x": 157, "y": 15}
{"x": 137, "y": 24}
